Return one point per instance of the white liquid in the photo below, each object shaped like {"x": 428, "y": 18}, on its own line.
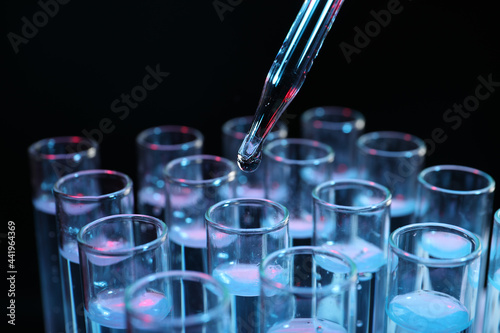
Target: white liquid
{"x": 151, "y": 201}
{"x": 190, "y": 236}
{"x": 188, "y": 248}
{"x": 106, "y": 312}
{"x": 367, "y": 256}
{"x": 239, "y": 279}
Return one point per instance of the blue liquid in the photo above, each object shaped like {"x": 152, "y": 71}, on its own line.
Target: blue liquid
{"x": 48, "y": 264}
{"x": 371, "y": 265}
{"x": 427, "y": 311}
{"x": 242, "y": 283}
{"x": 72, "y": 291}
{"x": 301, "y": 231}
{"x": 445, "y": 245}
{"x": 307, "y": 325}
{"x": 402, "y": 213}
{"x": 151, "y": 201}
{"x": 188, "y": 249}
{"x": 492, "y": 308}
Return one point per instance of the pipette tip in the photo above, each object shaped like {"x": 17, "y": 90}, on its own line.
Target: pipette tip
{"x": 249, "y": 164}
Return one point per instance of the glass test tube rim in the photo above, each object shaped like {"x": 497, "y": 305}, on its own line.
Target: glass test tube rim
{"x": 253, "y": 231}
{"x": 419, "y": 150}
{"x": 215, "y": 181}
{"x": 280, "y": 129}
{"x": 356, "y": 119}
{"x": 359, "y": 209}
{"x": 197, "y": 142}
{"x": 490, "y": 188}
{"x": 328, "y": 157}
{"x": 151, "y": 245}
{"x": 435, "y": 262}
{"x": 34, "y": 149}
{"x": 124, "y": 191}
{"x": 190, "y": 275}
{"x": 313, "y": 250}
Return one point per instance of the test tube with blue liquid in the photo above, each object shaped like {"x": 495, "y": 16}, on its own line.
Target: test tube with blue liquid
{"x": 293, "y": 168}
{"x": 432, "y": 288}
{"x": 183, "y": 302}
{"x": 81, "y": 198}
{"x": 241, "y": 232}
{"x": 51, "y": 159}
{"x": 114, "y": 252}
{"x": 156, "y": 146}
{"x": 352, "y": 216}
{"x": 193, "y": 184}
{"x": 340, "y": 128}
{"x": 491, "y": 315}
{"x": 308, "y": 289}
{"x": 462, "y": 196}
{"x": 394, "y": 160}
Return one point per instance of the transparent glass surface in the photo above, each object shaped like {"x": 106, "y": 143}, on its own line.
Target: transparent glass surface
{"x": 156, "y": 147}
{"x": 50, "y": 159}
{"x": 241, "y": 232}
{"x": 83, "y": 197}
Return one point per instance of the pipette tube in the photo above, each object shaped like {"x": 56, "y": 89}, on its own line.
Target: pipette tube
{"x": 287, "y": 74}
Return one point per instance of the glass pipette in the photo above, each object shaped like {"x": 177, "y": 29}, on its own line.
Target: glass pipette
{"x": 287, "y": 74}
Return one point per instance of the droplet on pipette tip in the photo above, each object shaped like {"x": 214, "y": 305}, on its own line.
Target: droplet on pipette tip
{"x": 249, "y": 164}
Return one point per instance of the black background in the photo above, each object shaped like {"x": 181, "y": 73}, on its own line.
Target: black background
{"x": 64, "y": 79}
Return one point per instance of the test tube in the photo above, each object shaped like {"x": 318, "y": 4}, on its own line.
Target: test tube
{"x": 182, "y": 301}
{"x": 433, "y": 278}
{"x": 339, "y": 127}
{"x": 394, "y": 160}
{"x": 293, "y": 168}
{"x": 114, "y": 252}
{"x": 352, "y": 216}
{"x": 156, "y": 146}
{"x": 51, "y": 159}
{"x": 308, "y": 289}
{"x": 241, "y": 232}
{"x": 462, "y": 196}
{"x": 193, "y": 184}
{"x": 83, "y": 197}
{"x": 491, "y": 322}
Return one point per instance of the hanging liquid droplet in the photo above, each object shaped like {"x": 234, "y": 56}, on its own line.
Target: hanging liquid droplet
{"x": 249, "y": 164}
